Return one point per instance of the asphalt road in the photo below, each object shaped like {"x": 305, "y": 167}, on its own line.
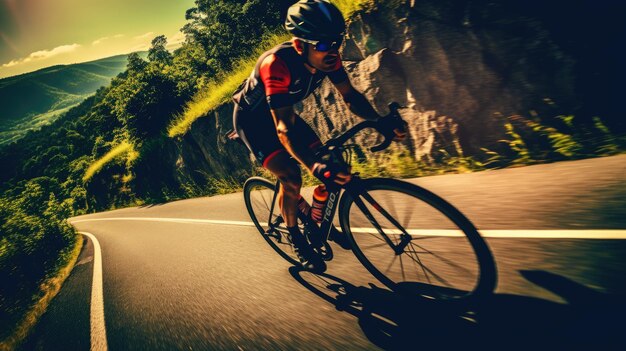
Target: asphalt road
{"x": 171, "y": 283}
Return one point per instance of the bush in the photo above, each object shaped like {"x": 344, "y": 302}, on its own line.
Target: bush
{"x": 34, "y": 238}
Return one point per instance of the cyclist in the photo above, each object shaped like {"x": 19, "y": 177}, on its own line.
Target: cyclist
{"x": 265, "y": 120}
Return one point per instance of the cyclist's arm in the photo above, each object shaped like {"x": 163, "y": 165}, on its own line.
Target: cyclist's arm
{"x": 357, "y": 103}
{"x": 276, "y": 77}
{"x": 285, "y": 119}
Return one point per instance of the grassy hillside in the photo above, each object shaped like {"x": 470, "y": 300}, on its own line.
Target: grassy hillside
{"x": 30, "y": 100}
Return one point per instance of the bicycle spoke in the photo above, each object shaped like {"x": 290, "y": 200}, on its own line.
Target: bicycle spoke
{"x": 391, "y": 263}
{"x": 259, "y": 196}
{"x": 269, "y": 209}
{"x": 420, "y": 265}
{"x": 262, "y": 203}
{"x": 402, "y": 268}
{"x": 388, "y": 204}
{"x": 407, "y": 218}
{"x": 375, "y": 245}
{"x": 445, "y": 260}
{"x": 425, "y": 237}
{"x": 426, "y": 269}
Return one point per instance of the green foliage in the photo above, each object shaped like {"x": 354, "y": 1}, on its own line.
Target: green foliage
{"x": 32, "y": 100}
{"x": 135, "y": 63}
{"x": 158, "y": 52}
{"x": 401, "y": 164}
{"x": 531, "y": 141}
{"x": 219, "y": 90}
{"x": 145, "y": 97}
{"x": 348, "y": 7}
{"x": 119, "y": 133}
{"x": 230, "y": 29}
{"x": 33, "y": 235}
{"x": 211, "y": 186}
{"x": 518, "y": 146}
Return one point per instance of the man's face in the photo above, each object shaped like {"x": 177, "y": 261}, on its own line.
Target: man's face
{"x": 324, "y": 61}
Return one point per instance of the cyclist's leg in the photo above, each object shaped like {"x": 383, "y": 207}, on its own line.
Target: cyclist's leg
{"x": 287, "y": 171}
{"x": 258, "y": 132}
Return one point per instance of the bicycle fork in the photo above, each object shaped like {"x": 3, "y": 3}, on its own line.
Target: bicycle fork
{"x": 356, "y": 191}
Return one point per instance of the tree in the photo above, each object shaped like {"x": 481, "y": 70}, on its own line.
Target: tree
{"x": 229, "y": 29}
{"x": 136, "y": 63}
{"x": 158, "y": 52}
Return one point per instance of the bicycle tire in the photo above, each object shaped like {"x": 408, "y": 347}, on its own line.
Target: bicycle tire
{"x": 486, "y": 275}
{"x": 251, "y": 187}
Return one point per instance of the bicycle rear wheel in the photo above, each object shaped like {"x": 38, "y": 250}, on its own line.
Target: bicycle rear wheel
{"x": 444, "y": 258}
{"x": 258, "y": 195}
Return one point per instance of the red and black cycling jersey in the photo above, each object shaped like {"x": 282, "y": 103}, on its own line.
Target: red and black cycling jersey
{"x": 280, "y": 79}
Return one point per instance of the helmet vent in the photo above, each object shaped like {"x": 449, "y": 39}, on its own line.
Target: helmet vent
{"x": 325, "y": 10}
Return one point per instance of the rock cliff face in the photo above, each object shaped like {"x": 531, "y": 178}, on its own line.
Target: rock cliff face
{"x": 459, "y": 67}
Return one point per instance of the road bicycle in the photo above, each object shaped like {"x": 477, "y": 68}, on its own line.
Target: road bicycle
{"x": 410, "y": 239}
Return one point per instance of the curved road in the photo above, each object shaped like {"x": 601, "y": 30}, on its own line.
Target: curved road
{"x": 174, "y": 280}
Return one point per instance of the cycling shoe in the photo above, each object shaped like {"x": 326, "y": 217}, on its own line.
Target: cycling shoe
{"x": 309, "y": 259}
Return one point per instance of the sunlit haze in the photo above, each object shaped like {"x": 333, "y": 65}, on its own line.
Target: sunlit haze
{"x": 39, "y": 33}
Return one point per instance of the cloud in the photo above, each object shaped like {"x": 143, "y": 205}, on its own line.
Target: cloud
{"x": 140, "y": 47}
{"x": 43, "y": 54}
{"x": 176, "y": 40}
{"x": 99, "y": 41}
{"x": 144, "y": 36}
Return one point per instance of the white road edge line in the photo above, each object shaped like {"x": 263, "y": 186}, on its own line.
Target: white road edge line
{"x": 605, "y": 234}
{"x": 98, "y": 329}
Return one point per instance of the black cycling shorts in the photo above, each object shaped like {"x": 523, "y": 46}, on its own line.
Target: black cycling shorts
{"x": 257, "y": 130}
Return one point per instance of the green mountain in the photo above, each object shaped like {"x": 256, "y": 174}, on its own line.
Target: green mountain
{"x": 31, "y": 100}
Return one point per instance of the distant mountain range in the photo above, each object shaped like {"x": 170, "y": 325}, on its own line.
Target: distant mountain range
{"x": 30, "y": 100}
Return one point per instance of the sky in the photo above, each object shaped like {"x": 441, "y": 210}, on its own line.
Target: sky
{"x": 40, "y": 33}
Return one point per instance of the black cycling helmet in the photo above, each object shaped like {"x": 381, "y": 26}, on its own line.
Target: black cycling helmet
{"x": 315, "y": 20}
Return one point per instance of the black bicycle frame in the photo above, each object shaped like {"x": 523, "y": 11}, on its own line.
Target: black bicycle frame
{"x": 355, "y": 190}
{"x": 333, "y": 147}
{"x": 329, "y": 213}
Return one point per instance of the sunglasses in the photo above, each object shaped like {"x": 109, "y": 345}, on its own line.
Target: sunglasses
{"x": 325, "y": 45}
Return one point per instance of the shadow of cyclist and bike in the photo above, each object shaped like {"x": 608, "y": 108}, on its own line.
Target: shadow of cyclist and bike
{"x": 395, "y": 321}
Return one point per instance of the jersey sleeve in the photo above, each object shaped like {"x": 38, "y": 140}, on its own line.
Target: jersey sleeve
{"x": 276, "y": 78}
{"x": 339, "y": 74}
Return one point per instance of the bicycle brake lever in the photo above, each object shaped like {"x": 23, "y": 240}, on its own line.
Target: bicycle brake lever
{"x": 393, "y": 115}
{"x": 382, "y": 145}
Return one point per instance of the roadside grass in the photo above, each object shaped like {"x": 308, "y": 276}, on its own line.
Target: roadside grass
{"x": 48, "y": 289}
{"x": 220, "y": 89}
{"x": 349, "y": 7}
{"x": 121, "y": 149}
{"x": 212, "y": 186}
{"x": 530, "y": 141}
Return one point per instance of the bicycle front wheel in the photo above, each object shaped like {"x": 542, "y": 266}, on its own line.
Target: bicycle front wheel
{"x": 264, "y": 211}
{"x": 414, "y": 241}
